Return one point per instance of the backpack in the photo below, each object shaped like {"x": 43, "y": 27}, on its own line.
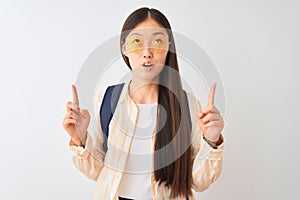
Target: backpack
{"x": 108, "y": 106}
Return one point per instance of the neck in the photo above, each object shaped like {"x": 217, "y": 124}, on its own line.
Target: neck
{"x": 143, "y": 92}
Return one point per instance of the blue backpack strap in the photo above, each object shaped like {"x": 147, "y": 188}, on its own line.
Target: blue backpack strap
{"x": 108, "y": 106}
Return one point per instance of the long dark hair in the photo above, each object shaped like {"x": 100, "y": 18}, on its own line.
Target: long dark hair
{"x": 178, "y": 174}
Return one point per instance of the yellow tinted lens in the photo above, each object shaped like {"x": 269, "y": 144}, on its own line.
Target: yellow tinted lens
{"x": 160, "y": 44}
{"x": 135, "y": 44}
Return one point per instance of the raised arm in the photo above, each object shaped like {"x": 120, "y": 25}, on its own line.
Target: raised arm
{"x": 207, "y": 156}
{"x": 86, "y": 147}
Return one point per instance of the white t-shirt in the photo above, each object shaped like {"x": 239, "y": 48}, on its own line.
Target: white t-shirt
{"x": 136, "y": 179}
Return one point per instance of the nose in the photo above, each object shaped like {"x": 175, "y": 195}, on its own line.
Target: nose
{"x": 147, "y": 53}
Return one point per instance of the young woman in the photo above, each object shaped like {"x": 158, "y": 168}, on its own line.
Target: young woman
{"x": 193, "y": 160}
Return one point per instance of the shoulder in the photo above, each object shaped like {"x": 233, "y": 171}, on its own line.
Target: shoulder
{"x": 108, "y": 90}
{"x": 194, "y": 105}
{"x": 194, "y": 102}
{"x": 98, "y": 98}
{"x": 99, "y": 95}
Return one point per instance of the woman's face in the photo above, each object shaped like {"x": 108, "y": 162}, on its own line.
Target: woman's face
{"x": 146, "y": 47}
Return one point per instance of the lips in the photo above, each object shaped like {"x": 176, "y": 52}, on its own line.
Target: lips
{"x": 147, "y": 64}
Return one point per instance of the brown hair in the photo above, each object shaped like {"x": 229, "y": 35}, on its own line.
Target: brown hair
{"x": 178, "y": 174}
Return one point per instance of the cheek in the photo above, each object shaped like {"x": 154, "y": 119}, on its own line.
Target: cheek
{"x": 161, "y": 58}
{"x": 134, "y": 60}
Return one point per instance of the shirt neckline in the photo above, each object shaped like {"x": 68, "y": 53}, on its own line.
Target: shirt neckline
{"x": 145, "y": 104}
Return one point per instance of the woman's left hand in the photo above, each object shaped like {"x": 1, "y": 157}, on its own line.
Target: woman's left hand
{"x": 210, "y": 120}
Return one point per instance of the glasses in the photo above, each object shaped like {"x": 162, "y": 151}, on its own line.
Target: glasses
{"x": 136, "y": 44}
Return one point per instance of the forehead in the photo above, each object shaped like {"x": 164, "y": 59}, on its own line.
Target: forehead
{"x": 148, "y": 31}
{"x": 148, "y": 27}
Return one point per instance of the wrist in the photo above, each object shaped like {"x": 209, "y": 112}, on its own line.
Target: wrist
{"x": 83, "y": 141}
{"x": 77, "y": 141}
{"x": 213, "y": 140}
{"x": 214, "y": 143}
{"x": 74, "y": 142}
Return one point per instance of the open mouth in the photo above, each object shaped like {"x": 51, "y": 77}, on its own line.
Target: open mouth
{"x": 147, "y": 65}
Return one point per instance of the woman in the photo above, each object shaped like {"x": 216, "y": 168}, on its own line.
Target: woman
{"x": 195, "y": 155}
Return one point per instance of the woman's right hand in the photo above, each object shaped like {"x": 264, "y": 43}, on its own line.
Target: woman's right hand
{"x": 76, "y": 120}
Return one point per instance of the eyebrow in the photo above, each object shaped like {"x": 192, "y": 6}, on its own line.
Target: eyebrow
{"x": 155, "y": 33}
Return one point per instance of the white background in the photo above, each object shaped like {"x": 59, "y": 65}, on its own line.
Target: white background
{"x": 254, "y": 45}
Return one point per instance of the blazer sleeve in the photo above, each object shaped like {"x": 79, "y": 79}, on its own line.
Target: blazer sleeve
{"x": 90, "y": 158}
{"x": 207, "y": 161}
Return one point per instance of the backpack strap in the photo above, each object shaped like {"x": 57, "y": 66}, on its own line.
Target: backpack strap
{"x": 108, "y": 106}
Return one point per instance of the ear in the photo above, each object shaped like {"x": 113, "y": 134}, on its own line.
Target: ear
{"x": 123, "y": 48}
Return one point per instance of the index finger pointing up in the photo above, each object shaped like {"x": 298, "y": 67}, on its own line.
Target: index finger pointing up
{"x": 211, "y": 97}
{"x": 75, "y": 95}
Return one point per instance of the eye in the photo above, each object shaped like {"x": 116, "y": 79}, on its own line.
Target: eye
{"x": 137, "y": 41}
{"x": 157, "y": 41}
